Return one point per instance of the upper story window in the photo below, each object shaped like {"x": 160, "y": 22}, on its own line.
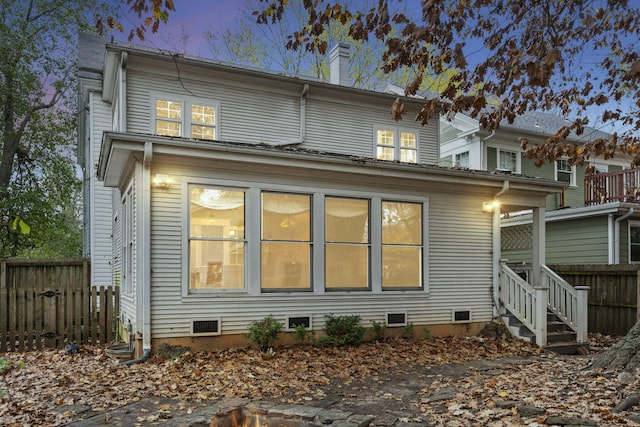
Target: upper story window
{"x": 565, "y": 172}
{"x": 185, "y": 118}
{"x": 462, "y": 159}
{"x": 508, "y": 161}
{"x": 397, "y": 144}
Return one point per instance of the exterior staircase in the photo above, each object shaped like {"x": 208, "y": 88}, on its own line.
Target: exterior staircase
{"x": 552, "y": 315}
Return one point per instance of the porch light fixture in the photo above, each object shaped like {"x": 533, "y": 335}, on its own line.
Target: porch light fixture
{"x": 490, "y": 206}
{"x": 161, "y": 181}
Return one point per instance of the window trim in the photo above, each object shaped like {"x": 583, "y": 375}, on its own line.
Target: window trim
{"x": 397, "y": 131}
{"x": 253, "y": 191}
{"x": 185, "y": 123}
{"x": 631, "y": 224}
{"x": 456, "y": 160}
{"x": 518, "y": 160}
{"x": 572, "y": 177}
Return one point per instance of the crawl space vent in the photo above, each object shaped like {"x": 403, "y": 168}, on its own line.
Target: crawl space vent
{"x": 396, "y": 319}
{"x": 294, "y": 321}
{"x": 205, "y": 327}
{"x": 461, "y": 316}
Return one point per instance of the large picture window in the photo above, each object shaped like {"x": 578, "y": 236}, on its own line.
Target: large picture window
{"x": 395, "y": 144}
{"x": 186, "y": 119}
{"x": 346, "y": 243}
{"x": 401, "y": 245}
{"x": 216, "y": 238}
{"x": 286, "y": 241}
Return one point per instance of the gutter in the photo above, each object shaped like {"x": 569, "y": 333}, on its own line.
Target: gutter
{"x": 616, "y": 235}
{"x": 303, "y": 118}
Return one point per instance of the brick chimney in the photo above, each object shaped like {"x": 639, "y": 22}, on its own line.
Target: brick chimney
{"x": 339, "y": 65}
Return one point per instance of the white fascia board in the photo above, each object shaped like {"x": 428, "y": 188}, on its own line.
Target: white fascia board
{"x": 567, "y": 214}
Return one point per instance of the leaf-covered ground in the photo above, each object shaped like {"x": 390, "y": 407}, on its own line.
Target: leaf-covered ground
{"x": 49, "y": 387}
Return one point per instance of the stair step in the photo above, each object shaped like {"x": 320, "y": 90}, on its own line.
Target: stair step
{"x": 556, "y": 326}
{"x": 561, "y": 336}
{"x": 565, "y": 347}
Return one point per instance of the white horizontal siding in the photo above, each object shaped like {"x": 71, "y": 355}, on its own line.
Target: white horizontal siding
{"x": 459, "y": 269}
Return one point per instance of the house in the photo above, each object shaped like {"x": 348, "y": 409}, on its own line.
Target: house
{"x": 228, "y": 194}
{"x": 595, "y": 220}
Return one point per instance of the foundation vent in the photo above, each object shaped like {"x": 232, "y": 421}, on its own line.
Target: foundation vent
{"x": 209, "y": 327}
{"x": 293, "y": 321}
{"x": 396, "y": 319}
{"x": 461, "y": 316}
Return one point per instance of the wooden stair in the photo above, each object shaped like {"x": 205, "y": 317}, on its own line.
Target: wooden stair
{"x": 561, "y": 338}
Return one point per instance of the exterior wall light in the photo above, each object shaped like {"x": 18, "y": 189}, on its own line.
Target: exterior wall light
{"x": 490, "y": 206}
{"x": 161, "y": 181}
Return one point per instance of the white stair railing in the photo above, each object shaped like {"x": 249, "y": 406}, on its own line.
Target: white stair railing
{"x": 569, "y": 303}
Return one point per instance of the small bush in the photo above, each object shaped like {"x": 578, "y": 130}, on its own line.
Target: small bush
{"x": 343, "y": 330}
{"x": 427, "y": 333}
{"x": 301, "y": 334}
{"x": 407, "y": 330}
{"x": 379, "y": 330}
{"x": 264, "y": 332}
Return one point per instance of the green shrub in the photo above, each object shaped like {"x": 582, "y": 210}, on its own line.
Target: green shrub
{"x": 343, "y": 330}
{"x": 407, "y": 330}
{"x": 379, "y": 330}
{"x": 427, "y": 333}
{"x": 264, "y": 332}
{"x": 301, "y": 334}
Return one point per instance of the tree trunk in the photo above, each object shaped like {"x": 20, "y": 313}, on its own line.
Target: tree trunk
{"x": 624, "y": 355}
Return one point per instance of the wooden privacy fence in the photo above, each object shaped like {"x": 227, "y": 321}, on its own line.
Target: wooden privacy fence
{"x": 613, "y": 294}
{"x": 48, "y": 303}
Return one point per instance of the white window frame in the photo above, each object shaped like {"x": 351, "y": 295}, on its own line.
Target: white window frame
{"x": 186, "y": 120}
{"x": 518, "y": 160}
{"x": 127, "y": 241}
{"x": 631, "y": 224}
{"x": 397, "y": 148}
{"x": 253, "y": 193}
{"x": 456, "y": 159}
{"x": 572, "y": 177}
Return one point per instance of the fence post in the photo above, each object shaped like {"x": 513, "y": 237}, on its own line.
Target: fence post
{"x": 542, "y": 300}
{"x": 638, "y": 295}
{"x": 582, "y": 326}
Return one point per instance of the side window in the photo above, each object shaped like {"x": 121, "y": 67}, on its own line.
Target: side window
{"x": 634, "y": 243}
{"x": 396, "y": 145}
{"x": 216, "y": 238}
{"x": 402, "y": 245}
{"x": 565, "y": 172}
{"x": 186, "y": 119}
{"x": 462, "y": 159}
{"x": 508, "y": 161}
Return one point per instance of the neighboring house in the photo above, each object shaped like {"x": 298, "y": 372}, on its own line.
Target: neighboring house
{"x": 595, "y": 220}
{"x": 233, "y": 194}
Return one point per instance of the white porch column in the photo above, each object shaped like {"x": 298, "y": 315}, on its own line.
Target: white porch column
{"x": 542, "y": 298}
{"x": 538, "y": 245}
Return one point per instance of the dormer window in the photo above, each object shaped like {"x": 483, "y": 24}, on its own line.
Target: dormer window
{"x": 185, "y": 118}
{"x": 396, "y": 145}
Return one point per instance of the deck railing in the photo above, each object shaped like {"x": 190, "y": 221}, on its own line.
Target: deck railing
{"x": 620, "y": 186}
{"x": 569, "y": 303}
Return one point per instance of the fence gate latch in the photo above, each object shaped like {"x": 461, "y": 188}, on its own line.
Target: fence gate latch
{"x": 49, "y": 294}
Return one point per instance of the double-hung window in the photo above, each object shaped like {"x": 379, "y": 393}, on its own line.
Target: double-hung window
{"x": 286, "y": 241}
{"x": 634, "y": 242}
{"x": 186, "y": 118}
{"x": 565, "y": 172}
{"x": 508, "y": 161}
{"x": 462, "y": 159}
{"x": 401, "y": 245}
{"x": 216, "y": 238}
{"x": 397, "y": 145}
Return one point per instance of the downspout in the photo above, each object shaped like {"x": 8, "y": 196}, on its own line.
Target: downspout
{"x": 482, "y": 148}
{"x": 616, "y": 236}
{"x": 145, "y": 238}
{"x": 496, "y": 246}
{"x": 303, "y": 118}
{"x": 610, "y": 240}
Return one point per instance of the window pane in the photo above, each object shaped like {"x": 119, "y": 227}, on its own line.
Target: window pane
{"x": 385, "y": 137}
{"x": 401, "y": 223}
{"x": 409, "y": 156}
{"x": 286, "y": 217}
{"x": 401, "y": 267}
{"x": 385, "y": 153}
{"x": 408, "y": 139}
{"x": 203, "y": 132}
{"x": 563, "y": 165}
{"x": 635, "y": 253}
{"x": 203, "y": 114}
{"x": 347, "y": 266}
{"x": 286, "y": 265}
{"x": 217, "y": 213}
{"x": 346, "y": 220}
{"x": 168, "y": 109}
{"x": 166, "y": 128}
{"x": 462, "y": 159}
{"x": 564, "y": 177}
{"x": 508, "y": 160}
{"x": 635, "y": 235}
{"x": 216, "y": 264}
